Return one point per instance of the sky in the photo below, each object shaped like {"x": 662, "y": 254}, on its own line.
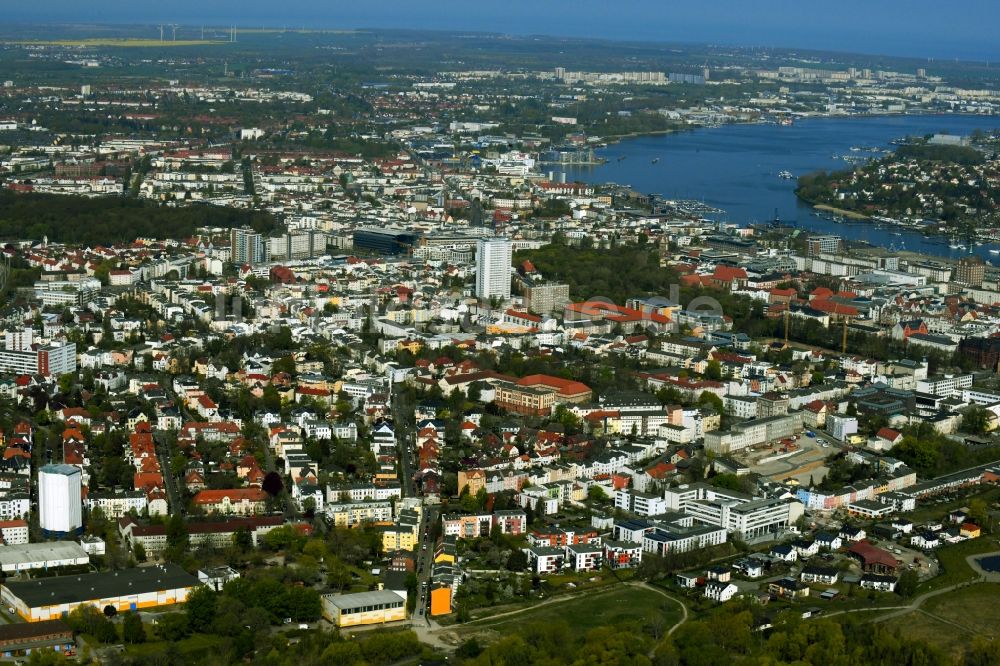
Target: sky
{"x": 923, "y": 28}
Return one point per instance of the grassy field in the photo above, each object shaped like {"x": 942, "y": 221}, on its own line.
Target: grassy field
{"x": 198, "y": 649}
{"x": 630, "y": 606}
{"x": 119, "y": 42}
{"x": 954, "y": 568}
{"x": 972, "y": 608}
{"x": 918, "y": 626}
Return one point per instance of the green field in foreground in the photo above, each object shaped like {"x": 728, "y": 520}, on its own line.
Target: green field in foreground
{"x": 953, "y": 619}
{"x": 633, "y": 606}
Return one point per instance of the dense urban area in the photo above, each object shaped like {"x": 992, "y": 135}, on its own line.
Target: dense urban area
{"x": 312, "y": 354}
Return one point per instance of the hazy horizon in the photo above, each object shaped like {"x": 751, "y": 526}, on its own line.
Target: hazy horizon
{"x": 912, "y": 29}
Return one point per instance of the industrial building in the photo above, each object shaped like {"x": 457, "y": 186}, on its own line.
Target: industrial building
{"x": 349, "y": 610}
{"x": 60, "y": 505}
{"x": 19, "y": 639}
{"x": 130, "y": 589}
{"x": 45, "y": 555}
{"x": 386, "y": 241}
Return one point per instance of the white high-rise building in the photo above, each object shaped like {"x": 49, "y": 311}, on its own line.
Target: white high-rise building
{"x": 19, "y": 340}
{"x": 247, "y": 246}
{"x": 493, "y": 259}
{"x": 60, "y": 506}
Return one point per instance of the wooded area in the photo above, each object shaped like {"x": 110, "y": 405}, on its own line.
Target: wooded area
{"x": 107, "y": 220}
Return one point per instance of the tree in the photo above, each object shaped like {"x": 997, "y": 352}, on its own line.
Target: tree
{"x": 200, "y": 608}
{"x": 975, "y": 420}
{"x": 338, "y": 575}
{"x": 518, "y": 560}
{"x": 412, "y": 585}
{"x": 243, "y": 540}
{"x": 709, "y": 399}
{"x": 139, "y": 552}
{"x": 906, "y": 586}
{"x": 713, "y": 370}
{"x": 978, "y": 512}
{"x": 272, "y": 484}
{"x": 596, "y": 493}
{"x": 87, "y": 619}
{"x": 133, "y": 630}
{"x": 173, "y": 627}
{"x": 178, "y": 540}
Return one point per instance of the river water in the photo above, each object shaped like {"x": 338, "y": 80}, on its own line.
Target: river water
{"x": 735, "y": 168}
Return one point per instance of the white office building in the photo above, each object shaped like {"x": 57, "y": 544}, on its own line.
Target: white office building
{"x": 60, "y": 508}
{"x": 493, "y": 262}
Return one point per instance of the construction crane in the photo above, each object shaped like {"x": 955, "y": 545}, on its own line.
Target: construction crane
{"x": 846, "y": 319}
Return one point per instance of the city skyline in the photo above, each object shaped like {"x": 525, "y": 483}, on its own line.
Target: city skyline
{"x": 855, "y": 27}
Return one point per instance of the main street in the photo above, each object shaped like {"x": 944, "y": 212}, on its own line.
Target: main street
{"x": 405, "y": 429}
{"x": 404, "y": 426}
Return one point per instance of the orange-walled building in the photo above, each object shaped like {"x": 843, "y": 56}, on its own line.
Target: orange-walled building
{"x": 440, "y": 600}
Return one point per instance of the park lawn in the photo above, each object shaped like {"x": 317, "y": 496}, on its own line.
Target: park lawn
{"x": 196, "y": 649}
{"x": 954, "y": 568}
{"x": 623, "y": 605}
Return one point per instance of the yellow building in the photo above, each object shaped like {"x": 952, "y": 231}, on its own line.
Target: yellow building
{"x": 129, "y": 589}
{"x": 473, "y": 478}
{"x": 398, "y": 537}
{"x": 412, "y": 346}
{"x": 353, "y": 610}
{"x": 352, "y": 514}
{"x": 446, "y": 551}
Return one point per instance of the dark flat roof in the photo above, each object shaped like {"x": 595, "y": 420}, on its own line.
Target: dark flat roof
{"x": 72, "y": 589}
{"x": 23, "y": 631}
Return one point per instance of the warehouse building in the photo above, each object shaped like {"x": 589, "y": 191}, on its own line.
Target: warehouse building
{"x": 130, "y": 589}
{"x": 19, "y": 640}
{"x": 45, "y": 555}
{"x": 350, "y": 610}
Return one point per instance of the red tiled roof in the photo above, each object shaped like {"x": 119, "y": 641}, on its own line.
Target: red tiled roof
{"x": 888, "y": 434}
{"x": 872, "y": 555}
{"x": 234, "y": 495}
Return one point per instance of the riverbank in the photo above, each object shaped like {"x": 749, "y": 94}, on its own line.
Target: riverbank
{"x": 839, "y": 211}
{"x": 612, "y": 139}
{"x": 735, "y": 168}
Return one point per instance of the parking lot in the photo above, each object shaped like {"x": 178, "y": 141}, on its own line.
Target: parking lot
{"x": 806, "y": 463}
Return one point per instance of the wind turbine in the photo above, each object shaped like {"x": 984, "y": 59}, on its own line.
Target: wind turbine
{"x": 174, "y": 26}
{"x": 161, "y": 32}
